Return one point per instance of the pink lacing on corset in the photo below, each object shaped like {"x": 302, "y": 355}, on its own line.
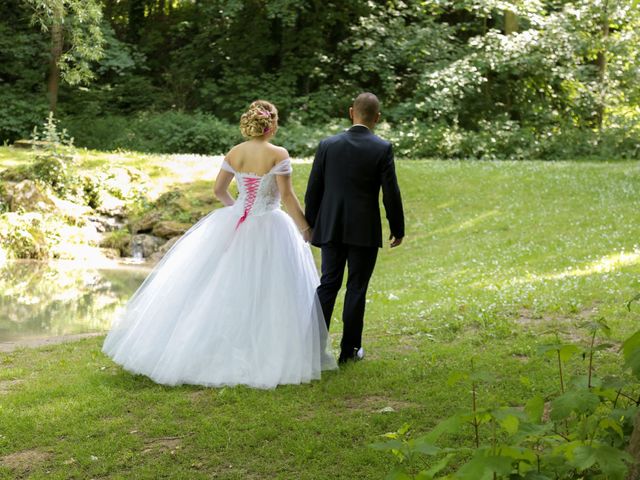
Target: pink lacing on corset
{"x": 251, "y": 186}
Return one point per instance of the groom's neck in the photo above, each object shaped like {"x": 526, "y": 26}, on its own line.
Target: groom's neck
{"x": 369, "y": 125}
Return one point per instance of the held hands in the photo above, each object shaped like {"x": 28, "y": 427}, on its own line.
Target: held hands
{"x": 395, "y": 242}
{"x": 307, "y": 233}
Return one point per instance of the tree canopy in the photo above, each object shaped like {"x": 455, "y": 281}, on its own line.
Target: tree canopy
{"x": 535, "y": 67}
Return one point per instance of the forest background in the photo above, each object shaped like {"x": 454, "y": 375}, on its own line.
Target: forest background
{"x": 549, "y": 79}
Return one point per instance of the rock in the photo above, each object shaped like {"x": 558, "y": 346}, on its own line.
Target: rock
{"x": 146, "y": 223}
{"x": 77, "y": 242}
{"x": 110, "y": 205}
{"x": 157, "y": 256}
{"x": 30, "y": 143}
{"x": 174, "y": 204}
{"x": 16, "y": 173}
{"x": 123, "y": 182}
{"x": 28, "y": 196}
{"x": 70, "y": 209}
{"x": 111, "y": 253}
{"x": 4, "y": 194}
{"x": 104, "y": 223}
{"x": 387, "y": 410}
{"x": 119, "y": 240}
{"x": 169, "y": 229}
{"x": 147, "y": 243}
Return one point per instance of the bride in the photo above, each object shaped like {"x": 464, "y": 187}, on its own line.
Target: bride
{"x": 234, "y": 300}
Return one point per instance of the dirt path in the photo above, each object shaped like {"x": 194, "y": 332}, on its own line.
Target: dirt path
{"x": 35, "y": 342}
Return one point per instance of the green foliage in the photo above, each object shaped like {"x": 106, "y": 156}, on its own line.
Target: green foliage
{"x": 502, "y": 138}
{"x": 118, "y": 239}
{"x": 453, "y": 82}
{"x": 585, "y": 434}
{"x": 54, "y": 163}
{"x": 4, "y": 206}
{"x": 178, "y": 132}
{"x": 23, "y": 52}
{"x": 80, "y": 21}
{"x": 26, "y": 235}
{"x": 168, "y": 132}
{"x": 302, "y": 140}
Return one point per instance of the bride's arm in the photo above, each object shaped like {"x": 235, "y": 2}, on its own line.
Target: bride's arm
{"x": 292, "y": 205}
{"x": 221, "y": 188}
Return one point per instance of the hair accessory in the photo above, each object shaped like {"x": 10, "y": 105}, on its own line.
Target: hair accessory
{"x": 266, "y": 130}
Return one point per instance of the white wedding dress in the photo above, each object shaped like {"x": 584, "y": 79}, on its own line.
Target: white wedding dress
{"x": 232, "y": 302}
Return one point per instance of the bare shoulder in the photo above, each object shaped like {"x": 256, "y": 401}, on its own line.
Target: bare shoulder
{"x": 279, "y": 153}
{"x": 235, "y": 150}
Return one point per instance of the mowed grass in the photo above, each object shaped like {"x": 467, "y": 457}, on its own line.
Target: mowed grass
{"x": 498, "y": 256}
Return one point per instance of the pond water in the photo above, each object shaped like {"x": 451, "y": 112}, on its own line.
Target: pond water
{"x": 49, "y": 299}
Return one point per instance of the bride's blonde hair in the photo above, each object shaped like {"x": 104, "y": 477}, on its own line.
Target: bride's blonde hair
{"x": 260, "y": 119}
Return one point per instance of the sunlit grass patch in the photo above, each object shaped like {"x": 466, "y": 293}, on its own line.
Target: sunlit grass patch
{"x": 498, "y": 256}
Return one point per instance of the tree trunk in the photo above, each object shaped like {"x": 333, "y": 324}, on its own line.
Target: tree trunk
{"x": 510, "y": 27}
{"x": 601, "y": 62}
{"x": 510, "y": 22}
{"x": 634, "y": 450}
{"x": 57, "y": 39}
{"x": 136, "y": 19}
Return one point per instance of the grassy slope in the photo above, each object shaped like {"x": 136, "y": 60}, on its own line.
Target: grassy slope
{"x": 496, "y": 255}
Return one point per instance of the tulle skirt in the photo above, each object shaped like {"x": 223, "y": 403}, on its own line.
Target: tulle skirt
{"x": 227, "y": 305}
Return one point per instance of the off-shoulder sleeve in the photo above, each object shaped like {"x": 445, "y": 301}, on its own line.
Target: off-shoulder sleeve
{"x": 227, "y": 168}
{"x": 283, "y": 167}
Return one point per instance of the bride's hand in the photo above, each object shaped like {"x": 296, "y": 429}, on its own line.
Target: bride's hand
{"x": 307, "y": 234}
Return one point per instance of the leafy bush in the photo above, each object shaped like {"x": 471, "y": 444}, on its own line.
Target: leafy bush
{"x": 302, "y": 140}
{"x": 582, "y": 433}
{"x": 500, "y": 138}
{"x": 503, "y": 139}
{"x": 4, "y": 206}
{"x": 118, "y": 239}
{"x": 19, "y": 113}
{"x": 25, "y": 235}
{"x": 177, "y": 132}
{"x": 54, "y": 164}
{"x": 168, "y": 132}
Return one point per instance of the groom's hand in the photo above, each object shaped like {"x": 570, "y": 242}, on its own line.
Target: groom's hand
{"x": 307, "y": 235}
{"x": 395, "y": 241}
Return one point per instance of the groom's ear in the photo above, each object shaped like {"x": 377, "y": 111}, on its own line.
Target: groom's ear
{"x": 351, "y": 113}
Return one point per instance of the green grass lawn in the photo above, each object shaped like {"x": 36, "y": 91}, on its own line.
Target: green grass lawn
{"x": 498, "y": 255}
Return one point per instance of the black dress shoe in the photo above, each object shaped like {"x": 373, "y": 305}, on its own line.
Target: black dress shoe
{"x": 355, "y": 355}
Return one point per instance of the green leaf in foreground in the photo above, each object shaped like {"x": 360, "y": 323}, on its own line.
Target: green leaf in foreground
{"x": 579, "y": 401}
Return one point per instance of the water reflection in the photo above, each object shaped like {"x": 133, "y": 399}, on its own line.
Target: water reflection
{"x": 40, "y": 299}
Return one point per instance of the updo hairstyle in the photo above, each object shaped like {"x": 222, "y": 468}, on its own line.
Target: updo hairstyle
{"x": 260, "y": 119}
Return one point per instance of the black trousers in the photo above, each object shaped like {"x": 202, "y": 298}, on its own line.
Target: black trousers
{"x": 360, "y": 262}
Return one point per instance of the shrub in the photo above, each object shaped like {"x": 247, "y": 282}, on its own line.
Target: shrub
{"x": 500, "y": 138}
{"x": 24, "y": 235}
{"x": 302, "y": 140}
{"x": 19, "y": 112}
{"x": 583, "y": 434}
{"x": 168, "y": 132}
{"x": 4, "y": 206}
{"x": 54, "y": 164}
{"x": 118, "y": 239}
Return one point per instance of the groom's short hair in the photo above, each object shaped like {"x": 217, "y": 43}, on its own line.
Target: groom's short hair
{"x": 367, "y": 106}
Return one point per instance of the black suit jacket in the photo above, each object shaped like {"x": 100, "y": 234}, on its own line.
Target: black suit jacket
{"x": 344, "y": 186}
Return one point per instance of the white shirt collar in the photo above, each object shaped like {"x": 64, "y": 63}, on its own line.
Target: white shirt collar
{"x": 360, "y": 125}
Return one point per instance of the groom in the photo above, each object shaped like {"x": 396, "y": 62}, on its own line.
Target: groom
{"x": 342, "y": 208}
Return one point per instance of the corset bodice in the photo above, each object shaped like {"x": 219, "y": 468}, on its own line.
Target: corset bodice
{"x": 258, "y": 194}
